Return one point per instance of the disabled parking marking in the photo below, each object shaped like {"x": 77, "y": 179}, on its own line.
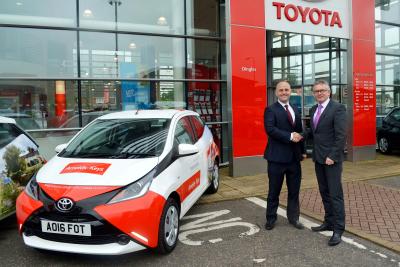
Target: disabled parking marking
{"x": 203, "y": 224}
{"x": 308, "y": 224}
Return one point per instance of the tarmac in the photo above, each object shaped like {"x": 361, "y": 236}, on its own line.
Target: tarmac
{"x": 371, "y": 193}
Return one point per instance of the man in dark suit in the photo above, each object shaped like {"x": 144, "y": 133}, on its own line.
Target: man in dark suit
{"x": 328, "y": 130}
{"x": 284, "y": 151}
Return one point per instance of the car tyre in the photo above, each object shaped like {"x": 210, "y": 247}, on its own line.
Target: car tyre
{"x": 213, "y": 188}
{"x": 384, "y": 145}
{"x": 169, "y": 227}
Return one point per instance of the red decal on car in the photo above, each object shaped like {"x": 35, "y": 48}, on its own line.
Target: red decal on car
{"x": 86, "y": 167}
{"x": 189, "y": 186}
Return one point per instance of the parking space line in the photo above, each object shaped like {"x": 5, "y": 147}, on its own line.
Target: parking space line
{"x": 308, "y": 224}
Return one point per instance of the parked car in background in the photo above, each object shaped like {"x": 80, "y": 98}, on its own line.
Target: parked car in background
{"x": 388, "y": 135}
{"x": 121, "y": 184}
{"x": 19, "y": 160}
{"x": 23, "y": 120}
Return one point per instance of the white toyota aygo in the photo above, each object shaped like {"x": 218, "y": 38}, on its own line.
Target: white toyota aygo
{"x": 121, "y": 184}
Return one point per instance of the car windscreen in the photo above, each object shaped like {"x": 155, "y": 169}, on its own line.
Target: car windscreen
{"x": 119, "y": 139}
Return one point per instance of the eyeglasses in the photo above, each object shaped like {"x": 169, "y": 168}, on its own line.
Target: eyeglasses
{"x": 320, "y": 91}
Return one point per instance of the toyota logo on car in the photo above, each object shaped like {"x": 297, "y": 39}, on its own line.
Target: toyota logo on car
{"x": 64, "y": 204}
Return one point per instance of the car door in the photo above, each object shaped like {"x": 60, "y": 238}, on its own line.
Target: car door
{"x": 188, "y": 167}
{"x": 393, "y": 121}
{"x": 204, "y": 145}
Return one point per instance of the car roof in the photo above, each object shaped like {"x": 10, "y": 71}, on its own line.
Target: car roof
{"x": 146, "y": 114}
{"x": 6, "y": 120}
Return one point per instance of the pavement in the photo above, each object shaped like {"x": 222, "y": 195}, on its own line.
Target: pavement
{"x": 371, "y": 193}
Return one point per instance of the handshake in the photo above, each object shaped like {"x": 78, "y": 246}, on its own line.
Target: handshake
{"x": 296, "y": 137}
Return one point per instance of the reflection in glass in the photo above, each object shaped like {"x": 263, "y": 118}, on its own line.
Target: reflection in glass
{"x": 38, "y": 104}
{"x": 287, "y": 68}
{"x": 198, "y": 23}
{"x": 316, "y": 66}
{"x": 37, "y": 53}
{"x": 387, "y": 69}
{"x": 203, "y": 59}
{"x": 285, "y": 43}
{"x": 387, "y": 97}
{"x": 388, "y": 10}
{"x": 137, "y": 56}
{"x": 387, "y": 39}
{"x": 101, "y": 97}
{"x": 55, "y": 13}
{"x": 151, "y": 16}
{"x": 315, "y": 43}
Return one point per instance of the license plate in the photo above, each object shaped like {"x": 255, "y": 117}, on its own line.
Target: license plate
{"x": 66, "y": 228}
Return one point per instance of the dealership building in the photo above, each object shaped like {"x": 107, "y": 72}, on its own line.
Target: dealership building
{"x": 65, "y": 62}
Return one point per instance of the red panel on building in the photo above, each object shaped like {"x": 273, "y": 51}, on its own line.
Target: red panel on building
{"x": 248, "y": 50}
{"x": 245, "y": 12}
{"x": 364, "y": 72}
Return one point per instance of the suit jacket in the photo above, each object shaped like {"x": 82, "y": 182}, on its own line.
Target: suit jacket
{"x": 278, "y": 127}
{"x": 329, "y": 137}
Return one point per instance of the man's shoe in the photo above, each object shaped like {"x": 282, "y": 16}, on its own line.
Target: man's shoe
{"x": 335, "y": 239}
{"x": 322, "y": 227}
{"x": 269, "y": 226}
{"x": 297, "y": 224}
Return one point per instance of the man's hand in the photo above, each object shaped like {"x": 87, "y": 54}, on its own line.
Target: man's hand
{"x": 296, "y": 137}
{"x": 328, "y": 161}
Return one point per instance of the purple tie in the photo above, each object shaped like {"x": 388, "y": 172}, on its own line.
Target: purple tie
{"x": 316, "y": 118}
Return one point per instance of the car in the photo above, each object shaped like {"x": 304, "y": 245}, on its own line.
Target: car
{"x": 19, "y": 160}
{"x": 388, "y": 135}
{"x": 121, "y": 184}
{"x": 23, "y": 120}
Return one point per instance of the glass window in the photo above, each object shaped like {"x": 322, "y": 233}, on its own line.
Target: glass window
{"x": 137, "y": 57}
{"x": 37, "y": 53}
{"x": 120, "y": 138}
{"x": 38, "y": 104}
{"x": 316, "y": 66}
{"x": 204, "y": 98}
{"x": 315, "y": 43}
{"x": 151, "y": 57}
{"x": 287, "y": 68}
{"x": 198, "y": 125}
{"x": 8, "y": 132}
{"x": 387, "y": 39}
{"x": 387, "y": 10}
{"x": 183, "y": 132}
{"x": 285, "y": 43}
{"x": 197, "y": 22}
{"x": 203, "y": 59}
{"x": 102, "y": 97}
{"x": 387, "y": 70}
{"x": 153, "y": 16}
{"x": 387, "y": 97}
{"x": 56, "y": 13}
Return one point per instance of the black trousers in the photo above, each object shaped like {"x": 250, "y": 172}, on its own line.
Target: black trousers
{"x": 330, "y": 187}
{"x": 276, "y": 173}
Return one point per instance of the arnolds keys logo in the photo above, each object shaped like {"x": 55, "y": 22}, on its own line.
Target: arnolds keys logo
{"x": 86, "y": 167}
{"x": 308, "y": 14}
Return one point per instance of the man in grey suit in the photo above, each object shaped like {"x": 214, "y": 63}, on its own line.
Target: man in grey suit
{"x": 328, "y": 130}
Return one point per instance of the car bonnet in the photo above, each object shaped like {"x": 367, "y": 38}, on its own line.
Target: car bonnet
{"x": 94, "y": 172}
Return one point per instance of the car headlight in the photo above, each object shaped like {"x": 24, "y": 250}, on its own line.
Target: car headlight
{"x": 136, "y": 189}
{"x": 32, "y": 188}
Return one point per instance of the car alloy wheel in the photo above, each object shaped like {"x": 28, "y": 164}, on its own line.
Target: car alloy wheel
{"x": 384, "y": 145}
{"x": 214, "y": 179}
{"x": 169, "y": 227}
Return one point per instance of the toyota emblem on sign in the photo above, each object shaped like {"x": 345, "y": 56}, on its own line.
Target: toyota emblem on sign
{"x": 64, "y": 204}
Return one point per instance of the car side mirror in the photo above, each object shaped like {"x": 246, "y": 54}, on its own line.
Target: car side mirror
{"x": 60, "y": 148}
{"x": 187, "y": 150}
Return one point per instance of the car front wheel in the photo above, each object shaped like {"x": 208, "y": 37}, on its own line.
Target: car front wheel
{"x": 384, "y": 145}
{"x": 169, "y": 227}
